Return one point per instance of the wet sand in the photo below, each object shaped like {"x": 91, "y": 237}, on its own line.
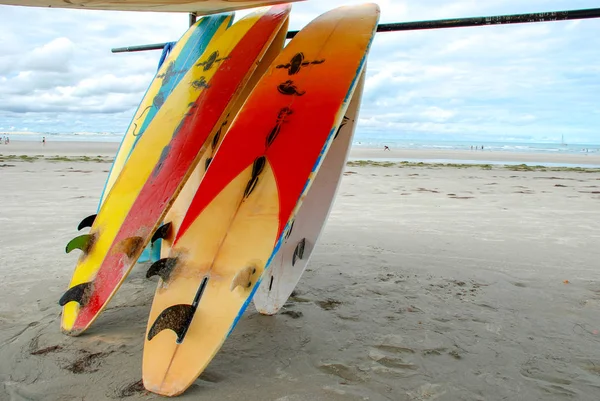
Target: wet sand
{"x": 429, "y": 283}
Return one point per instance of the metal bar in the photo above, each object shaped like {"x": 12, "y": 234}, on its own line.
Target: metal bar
{"x": 440, "y": 24}
{"x": 193, "y": 17}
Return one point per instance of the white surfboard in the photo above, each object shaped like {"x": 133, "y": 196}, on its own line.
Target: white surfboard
{"x": 289, "y": 263}
{"x": 199, "y": 6}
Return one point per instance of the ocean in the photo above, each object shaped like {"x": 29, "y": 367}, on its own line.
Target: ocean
{"x": 360, "y": 141}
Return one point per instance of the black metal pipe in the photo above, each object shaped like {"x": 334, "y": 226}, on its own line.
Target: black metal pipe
{"x": 440, "y": 24}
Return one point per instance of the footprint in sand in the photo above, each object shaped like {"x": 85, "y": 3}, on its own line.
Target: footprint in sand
{"x": 549, "y": 382}
{"x": 342, "y": 371}
{"x": 87, "y": 362}
{"x": 394, "y": 360}
{"x": 329, "y": 304}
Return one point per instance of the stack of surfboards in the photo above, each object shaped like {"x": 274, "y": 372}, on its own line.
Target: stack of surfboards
{"x": 233, "y": 160}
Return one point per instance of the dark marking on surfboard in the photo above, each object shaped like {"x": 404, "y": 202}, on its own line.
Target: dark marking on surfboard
{"x": 200, "y": 84}
{"x": 296, "y": 64}
{"x": 130, "y": 246}
{"x": 158, "y": 100}
{"x": 163, "y": 232}
{"x": 217, "y": 136}
{"x": 177, "y": 318}
{"x": 79, "y": 293}
{"x": 243, "y": 278}
{"x": 281, "y": 118}
{"x": 257, "y": 169}
{"x": 289, "y": 232}
{"x": 299, "y": 251}
{"x": 169, "y": 74}
{"x": 87, "y": 222}
{"x": 207, "y": 164}
{"x": 290, "y": 89}
{"x": 162, "y": 268}
{"x": 271, "y": 284}
{"x": 154, "y": 104}
{"x": 163, "y": 156}
{"x": 83, "y": 242}
{"x": 342, "y": 124}
{"x": 211, "y": 61}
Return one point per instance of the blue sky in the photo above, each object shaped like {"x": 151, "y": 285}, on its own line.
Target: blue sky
{"x": 532, "y": 82}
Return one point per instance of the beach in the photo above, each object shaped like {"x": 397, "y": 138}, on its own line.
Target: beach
{"x": 430, "y": 282}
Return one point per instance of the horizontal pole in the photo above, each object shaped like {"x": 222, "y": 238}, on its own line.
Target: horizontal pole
{"x": 441, "y": 24}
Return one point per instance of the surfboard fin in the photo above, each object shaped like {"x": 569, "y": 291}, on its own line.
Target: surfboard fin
{"x": 162, "y": 233}
{"x": 87, "y": 222}
{"x": 79, "y": 293}
{"x": 176, "y": 318}
{"x": 130, "y": 246}
{"x": 163, "y": 268}
{"x": 243, "y": 278}
{"x": 83, "y": 242}
{"x": 299, "y": 251}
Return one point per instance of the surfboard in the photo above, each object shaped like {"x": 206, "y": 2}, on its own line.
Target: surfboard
{"x": 252, "y": 187}
{"x": 183, "y": 56}
{"x": 177, "y": 212}
{"x": 288, "y": 265}
{"x": 164, "y": 157}
{"x": 199, "y": 6}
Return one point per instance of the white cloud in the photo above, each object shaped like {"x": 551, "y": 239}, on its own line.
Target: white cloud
{"x": 518, "y": 81}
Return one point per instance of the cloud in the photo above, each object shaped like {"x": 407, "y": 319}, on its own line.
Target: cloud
{"x": 533, "y": 82}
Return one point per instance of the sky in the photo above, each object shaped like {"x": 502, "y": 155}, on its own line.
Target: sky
{"x": 527, "y": 82}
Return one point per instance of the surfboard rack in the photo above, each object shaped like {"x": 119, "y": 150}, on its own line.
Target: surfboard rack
{"x": 566, "y": 15}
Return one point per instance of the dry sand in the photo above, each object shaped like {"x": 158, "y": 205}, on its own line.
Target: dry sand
{"x": 429, "y": 283}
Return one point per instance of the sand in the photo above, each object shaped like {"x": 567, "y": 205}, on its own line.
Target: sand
{"x": 429, "y": 283}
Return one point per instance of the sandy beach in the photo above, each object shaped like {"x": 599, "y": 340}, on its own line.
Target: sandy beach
{"x": 109, "y": 149}
{"x": 429, "y": 283}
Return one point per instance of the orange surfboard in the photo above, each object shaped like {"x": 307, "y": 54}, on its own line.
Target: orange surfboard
{"x": 254, "y": 184}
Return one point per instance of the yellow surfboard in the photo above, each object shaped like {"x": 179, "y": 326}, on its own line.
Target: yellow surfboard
{"x": 183, "y": 57}
{"x": 161, "y": 162}
{"x": 252, "y": 188}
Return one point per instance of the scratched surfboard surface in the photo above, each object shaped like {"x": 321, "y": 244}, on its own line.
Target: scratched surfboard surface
{"x": 252, "y": 187}
{"x": 200, "y": 6}
{"x": 184, "y": 56}
{"x": 161, "y": 162}
{"x": 179, "y": 208}
{"x": 288, "y": 265}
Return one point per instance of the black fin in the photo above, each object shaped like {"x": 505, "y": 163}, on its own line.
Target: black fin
{"x": 162, "y": 268}
{"x": 87, "y": 222}
{"x": 83, "y": 242}
{"x": 162, "y": 233}
{"x": 299, "y": 251}
{"x": 79, "y": 293}
{"x": 130, "y": 246}
{"x": 176, "y": 318}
